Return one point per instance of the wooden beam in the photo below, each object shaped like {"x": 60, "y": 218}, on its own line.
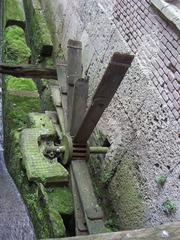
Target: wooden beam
{"x": 56, "y": 97}
{"x": 74, "y": 72}
{"x": 170, "y": 231}
{"x": 110, "y": 82}
{"x": 29, "y": 71}
{"x": 92, "y": 211}
{"x": 80, "y": 222}
{"x": 79, "y": 104}
{"x": 62, "y": 72}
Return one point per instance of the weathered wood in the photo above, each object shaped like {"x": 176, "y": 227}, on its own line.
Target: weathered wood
{"x": 80, "y": 222}
{"x": 170, "y": 231}
{"x": 79, "y": 104}
{"x": 58, "y": 105}
{"x": 113, "y": 76}
{"x": 28, "y": 71}
{"x": 92, "y": 211}
{"x": 74, "y": 72}
{"x": 61, "y": 72}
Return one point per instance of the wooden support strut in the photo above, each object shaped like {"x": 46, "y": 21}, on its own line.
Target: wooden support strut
{"x": 29, "y": 71}
{"x": 111, "y": 80}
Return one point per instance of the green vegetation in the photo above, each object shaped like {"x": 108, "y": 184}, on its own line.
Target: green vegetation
{"x": 161, "y": 180}
{"x": 61, "y": 199}
{"x": 39, "y": 32}
{"x": 13, "y": 11}
{"x": 170, "y": 206}
{"x": 15, "y": 50}
{"x": 26, "y": 84}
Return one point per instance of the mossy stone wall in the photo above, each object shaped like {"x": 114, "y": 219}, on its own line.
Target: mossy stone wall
{"x": 38, "y": 32}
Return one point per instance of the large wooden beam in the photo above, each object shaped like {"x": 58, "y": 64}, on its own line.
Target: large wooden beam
{"x": 74, "y": 72}
{"x": 170, "y": 231}
{"x": 92, "y": 211}
{"x": 79, "y": 104}
{"x": 111, "y": 80}
{"x": 29, "y": 71}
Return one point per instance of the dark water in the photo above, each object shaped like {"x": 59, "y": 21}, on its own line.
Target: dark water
{"x": 14, "y": 219}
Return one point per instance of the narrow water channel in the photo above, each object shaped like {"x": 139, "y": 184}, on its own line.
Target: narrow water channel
{"x": 14, "y": 219}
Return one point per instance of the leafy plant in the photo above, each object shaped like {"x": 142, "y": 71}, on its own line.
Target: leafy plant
{"x": 161, "y": 180}
{"x": 170, "y": 206}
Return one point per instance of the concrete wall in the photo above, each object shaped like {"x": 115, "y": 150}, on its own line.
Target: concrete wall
{"x": 142, "y": 122}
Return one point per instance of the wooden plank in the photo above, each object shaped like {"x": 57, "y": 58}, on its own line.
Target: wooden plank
{"x": 80, "y": 222}
{"x": 79, "y": 104}
{"x": 92, "y": 211}
{"x": 74, "y": 72}
{"x": 170, "y": 231}
{"x": 58, "y": 105}
{"x": 28, "y": 71}
{"x": 111, "y": 80}
{"x": 61, "y": 72}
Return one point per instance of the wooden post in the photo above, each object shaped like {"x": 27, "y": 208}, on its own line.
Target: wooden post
{"x": 79, "y": 104}
{"x": 62, "y": 72}
{"x": 74, "y": 72}
{"x": 92, "y": 211}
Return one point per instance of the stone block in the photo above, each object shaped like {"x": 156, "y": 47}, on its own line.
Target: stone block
{"x": 38, "y": 167}
{"x": 39, "y": 33}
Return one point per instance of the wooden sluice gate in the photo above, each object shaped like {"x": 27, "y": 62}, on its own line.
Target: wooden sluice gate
{"x": 74, "y": 126}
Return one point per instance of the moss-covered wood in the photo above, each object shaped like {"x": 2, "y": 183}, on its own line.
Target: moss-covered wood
{"x": 169, "y": 231}
{"x": 38, "y": 32}
{"x": 13, "y": 13}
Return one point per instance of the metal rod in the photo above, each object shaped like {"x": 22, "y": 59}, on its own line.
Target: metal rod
{"x": 62, "y": 149}
{"x": 97, "y": 150}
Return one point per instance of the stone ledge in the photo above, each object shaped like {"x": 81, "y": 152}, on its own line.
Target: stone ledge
{"x": 169, "y": 11}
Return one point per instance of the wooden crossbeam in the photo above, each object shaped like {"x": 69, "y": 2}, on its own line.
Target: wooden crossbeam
{"x": 113, "y": 76}
{"x": 29, "y": 71}
{"x": 169, "y": 231}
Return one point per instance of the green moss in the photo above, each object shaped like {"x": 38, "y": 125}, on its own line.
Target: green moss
{"x": 41, "y": 120}
{"x": 170, "y": 206}
{"x": 16, "y": 50}
{"x": 126, "y": 195}
{"x": 17, "y": 109}
{"x": 61, "y": 199}
{"x": 46, "y": 99}
{"x": 161, "y": 180}
{"x": 13, "y": 83}
{"x": 37, "y": 26}
{"x": 57, "y": 222}
{"x": 13, "y": 10}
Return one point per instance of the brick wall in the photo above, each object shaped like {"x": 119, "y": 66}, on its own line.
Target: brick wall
{"x": 135, "y": 19}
